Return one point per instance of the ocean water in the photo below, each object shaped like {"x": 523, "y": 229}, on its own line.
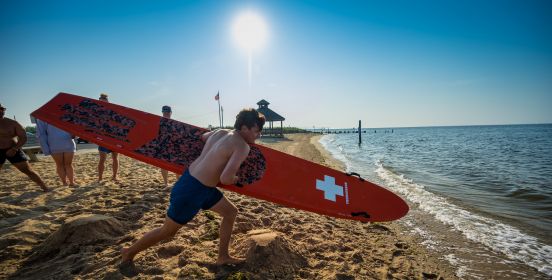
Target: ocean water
{"x": 481, "y": 196}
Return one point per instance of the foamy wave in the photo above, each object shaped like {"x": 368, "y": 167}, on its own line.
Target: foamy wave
{"x": 462, "y": 269}
{"x": 336, "y": 150}
{"x": 426, "y": 236}
{"x": 495, "y": 235}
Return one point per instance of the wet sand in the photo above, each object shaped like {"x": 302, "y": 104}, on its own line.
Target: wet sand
{"x": 77, "y": 232}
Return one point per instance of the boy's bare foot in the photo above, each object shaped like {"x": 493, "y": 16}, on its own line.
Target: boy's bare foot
{"x": 228, "y": 260}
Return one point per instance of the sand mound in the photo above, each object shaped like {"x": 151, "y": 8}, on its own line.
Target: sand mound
{"x": 76, "y": 232}
{"x": 270, "y": 255}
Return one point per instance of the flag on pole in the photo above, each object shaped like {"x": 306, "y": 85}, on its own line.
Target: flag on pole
{"x": 217, "y": 96}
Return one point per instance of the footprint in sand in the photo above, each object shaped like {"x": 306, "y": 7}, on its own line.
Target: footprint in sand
{"x": 128, "y": 269}
{"x": 169, "y": 252}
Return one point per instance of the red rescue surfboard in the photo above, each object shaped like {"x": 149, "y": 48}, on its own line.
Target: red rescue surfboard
{"x": 266, "y": 174}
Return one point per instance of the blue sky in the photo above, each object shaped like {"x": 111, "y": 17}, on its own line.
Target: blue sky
{"x": 325, "y": 64}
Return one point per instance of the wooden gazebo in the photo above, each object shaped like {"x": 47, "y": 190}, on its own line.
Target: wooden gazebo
{"x": 271, "y": 117}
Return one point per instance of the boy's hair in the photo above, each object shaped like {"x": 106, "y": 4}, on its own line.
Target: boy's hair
{"x": 249, "y": 117}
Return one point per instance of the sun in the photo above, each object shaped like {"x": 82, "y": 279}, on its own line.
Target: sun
{"x": 249, "y": 31}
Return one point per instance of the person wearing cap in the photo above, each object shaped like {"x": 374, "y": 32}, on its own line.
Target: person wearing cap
{"x": 11, "y": 150}
{"x": 104, "y": 151}
{"x": 167, "y": 111}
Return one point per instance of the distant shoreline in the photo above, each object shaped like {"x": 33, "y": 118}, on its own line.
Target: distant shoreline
{"x": 318, "y": 130}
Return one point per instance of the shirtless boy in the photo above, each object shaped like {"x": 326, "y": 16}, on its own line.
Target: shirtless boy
{"x": 220, "y": 159}
{"x": 11, "y": 149}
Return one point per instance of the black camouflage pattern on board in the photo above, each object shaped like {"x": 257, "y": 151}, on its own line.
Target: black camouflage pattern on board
{"x": 176, "y": 142}
{"x": 181, "y": 144}
{"x": 97, "y": 119}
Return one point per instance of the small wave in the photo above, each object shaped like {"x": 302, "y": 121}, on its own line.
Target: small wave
{"x": 493, "y": 234}
{"x": 527, "y": 194}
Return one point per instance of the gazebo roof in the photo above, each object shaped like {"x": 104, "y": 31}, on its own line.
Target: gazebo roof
{"x": 270, "y": 115}
{"x": 263, "y": 102}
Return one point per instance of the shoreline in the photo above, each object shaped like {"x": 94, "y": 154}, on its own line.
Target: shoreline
{"x": 418, "y": 257}
{"x": 328, "y": 248}
{"x": 469, "y": 258}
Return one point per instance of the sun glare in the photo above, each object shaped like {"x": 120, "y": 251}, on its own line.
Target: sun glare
{"x": 250, "y": 31}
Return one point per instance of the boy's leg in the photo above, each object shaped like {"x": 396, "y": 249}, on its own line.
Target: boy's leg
{"x": 60, "y": 167}
{"x": 165, "y": 175}
{"x": 68, "y": 163}
{"x": 115, "y": 157}
{"x": 166, "y": 231}
{"x": 101, "y": 165}
{"x": 25, "y": 167}
{"x": 228, "y": 212}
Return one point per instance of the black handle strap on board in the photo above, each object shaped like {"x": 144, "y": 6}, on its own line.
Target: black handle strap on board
{"x": 360, "y": 214}
{"x": 355, "y": 174}
{"x": 239, "y": 185}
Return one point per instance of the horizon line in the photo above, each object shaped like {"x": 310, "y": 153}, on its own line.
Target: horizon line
{"x": 424, "y": 126}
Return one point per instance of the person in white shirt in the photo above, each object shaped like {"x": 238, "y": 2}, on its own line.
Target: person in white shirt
{"x": 61, "y": 146}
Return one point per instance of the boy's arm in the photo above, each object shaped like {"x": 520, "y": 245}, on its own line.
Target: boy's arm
{"x": 21, "y": 135}
{"x": 228, "y": 175}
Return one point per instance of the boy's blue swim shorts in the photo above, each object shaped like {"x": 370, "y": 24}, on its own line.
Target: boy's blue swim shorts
{"x": 188, "y": 195}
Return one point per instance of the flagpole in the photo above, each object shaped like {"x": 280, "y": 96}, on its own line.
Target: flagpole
{"x": 220, "y": 119}
{"x": 222, "y": 115}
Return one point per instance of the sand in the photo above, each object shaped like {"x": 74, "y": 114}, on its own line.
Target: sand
{"x": 77, "y": 232}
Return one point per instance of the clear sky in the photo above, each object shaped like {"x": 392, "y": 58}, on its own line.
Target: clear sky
{"x": 324, "y": 64}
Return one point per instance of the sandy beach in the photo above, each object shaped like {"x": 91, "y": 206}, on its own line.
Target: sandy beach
{"x": 77, "y": 232}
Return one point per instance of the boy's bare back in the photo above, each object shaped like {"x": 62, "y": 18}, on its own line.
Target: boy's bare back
{"x": 220, "y": 159}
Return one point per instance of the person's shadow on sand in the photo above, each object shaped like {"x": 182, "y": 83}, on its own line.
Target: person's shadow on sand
{"x": 128, "y": 269}
{"x": 224, "y": 270}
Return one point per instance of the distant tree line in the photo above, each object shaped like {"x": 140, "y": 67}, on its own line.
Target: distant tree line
{"x": 31, "y": 129}
{"x": 287, "y": 130}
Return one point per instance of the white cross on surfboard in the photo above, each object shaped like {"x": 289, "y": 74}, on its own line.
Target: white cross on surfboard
{"x": 331, "y": 189}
